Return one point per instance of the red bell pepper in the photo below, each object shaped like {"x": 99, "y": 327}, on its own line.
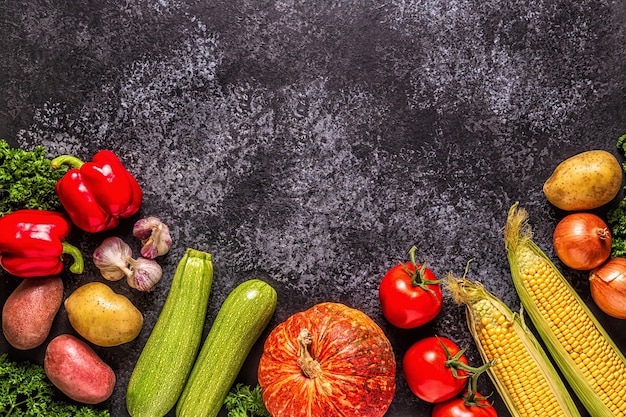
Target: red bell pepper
{"x": 32, "y": 243}
{"x": 97, "y": 194}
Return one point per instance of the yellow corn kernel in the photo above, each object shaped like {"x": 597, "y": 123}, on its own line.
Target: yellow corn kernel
{"x": 582, "y": 349}
{"x": 521, "y": 372}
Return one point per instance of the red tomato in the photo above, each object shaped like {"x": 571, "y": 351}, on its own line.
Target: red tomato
{"x": 456, "y": 407}
{"x": 408, "y": 298}
{"x": 425, "y": 370}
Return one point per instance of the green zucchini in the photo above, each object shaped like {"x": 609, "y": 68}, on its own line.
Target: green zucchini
{"x": 240, "y": 321}
{"x": 168, "y": 356}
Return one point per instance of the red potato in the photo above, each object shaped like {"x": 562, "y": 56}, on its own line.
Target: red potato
{"x": 29, "y": 311}
{"x": 77, "y": 370}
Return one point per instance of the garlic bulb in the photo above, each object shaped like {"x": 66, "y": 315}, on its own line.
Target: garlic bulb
{"x": 114, "y": 260}
{"x": 111, "y": 258}
{"x": 145, "y": 273}
{"x": 155, "y": 237}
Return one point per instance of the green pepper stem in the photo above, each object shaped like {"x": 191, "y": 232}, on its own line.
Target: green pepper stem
{"x": 78, "y": 265}
{"x": 70, "y": 160}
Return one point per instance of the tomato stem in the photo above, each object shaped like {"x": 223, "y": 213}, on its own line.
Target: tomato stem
{"x": 417, "y": 274}
{"x": 473, "y": 373}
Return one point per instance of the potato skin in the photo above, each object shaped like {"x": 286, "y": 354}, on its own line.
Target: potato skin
{"x": 101, "y": 316}
{"x": 584, "y": 181}
{"x": 29, "y": 311}
{"x": 77, "y": 370}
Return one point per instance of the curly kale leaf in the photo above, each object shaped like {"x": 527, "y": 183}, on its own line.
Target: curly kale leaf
{"x": 27, "y": 180}
{"x": 245, "y": 401}
{"x": 616, "y": 217}
{"x": 616, "y": 220}
{"x": 25, "y": 391}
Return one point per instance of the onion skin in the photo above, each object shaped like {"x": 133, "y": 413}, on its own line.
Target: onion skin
{"x": 582, "y": 241}
{"x": 608, "y": 287}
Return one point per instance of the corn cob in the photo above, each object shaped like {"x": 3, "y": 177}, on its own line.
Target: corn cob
{"x": 581, "y": 348}
{"x": 521, "y": 371}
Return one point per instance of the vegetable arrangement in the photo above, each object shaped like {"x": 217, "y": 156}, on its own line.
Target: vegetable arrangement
{"x": 330, "y": 359}
{"x": 584, "y": 352}
{"x": 525, "y": 378}
{"x": 41, "y": 201}
{"x": 583, "y": 240}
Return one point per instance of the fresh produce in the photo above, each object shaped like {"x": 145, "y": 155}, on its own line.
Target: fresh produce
{"x": 114, "y": 260}
{"x": 582, "y": 241}
{"x": 435, "y": 369}
{"x": 101, "y": 316}
{"x": 27, "y": 180}
{"x": 77, "y": 370}
{"x": 166, "y": 360}
{"x": 585, "y": 181}
{"x": 32, "y": 244}
{"x": 245, "y": 401}
{"x": 26, "y": 391}
{"x": 155, "y": 237}
{"x": 523, "y": 375}
{"x": 240, "y": 321}
{"x": 111, "y": 258}
{"x": 29, "y": 311}
{"x": 410, "y": 294}
{"x": 616, "y": 216}
{"x": 589, "y": 359}
{"x": 330, "y": 360}
{"x": 608, "y": 287}
{"x": 478, "y": 406}
{"x": 97, "y": 194}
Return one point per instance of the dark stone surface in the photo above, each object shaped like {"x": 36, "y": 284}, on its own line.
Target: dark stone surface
{"x": 313, "y": 143}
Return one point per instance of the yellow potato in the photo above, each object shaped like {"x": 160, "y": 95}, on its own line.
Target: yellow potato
{"x": 585, "y": 181}
{"x": 101, "y": 316}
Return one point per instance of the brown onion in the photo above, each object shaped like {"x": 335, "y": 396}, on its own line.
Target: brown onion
{"x": 582, "y": 241}
{"x": 608, "y": 287}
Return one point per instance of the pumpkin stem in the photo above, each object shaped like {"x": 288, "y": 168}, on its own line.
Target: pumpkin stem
{"x": 309, "y": 366}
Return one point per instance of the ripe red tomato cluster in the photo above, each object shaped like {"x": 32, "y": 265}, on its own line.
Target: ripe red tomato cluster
{"x": 410, "y": 296}
{"x": 429, "y": 372}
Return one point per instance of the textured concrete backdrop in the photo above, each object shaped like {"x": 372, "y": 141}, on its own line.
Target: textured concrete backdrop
{"x": 312, "y": 143}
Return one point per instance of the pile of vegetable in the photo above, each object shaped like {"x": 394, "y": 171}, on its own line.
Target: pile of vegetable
{"x": 583, "y": 240}
{"x": 331, "y": 359}
{"x": 41, "y": 202}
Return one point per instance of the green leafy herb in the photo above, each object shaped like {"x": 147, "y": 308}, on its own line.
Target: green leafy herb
{"x": 616, "y": 217}
{"x": 27, "y": 180}
{"x": 25, "y": 391}
{"x": 245, "y": 401}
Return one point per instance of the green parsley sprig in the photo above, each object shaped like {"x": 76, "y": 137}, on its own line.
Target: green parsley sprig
{"x": 27, "y": 180}
{"x": 25, "y": 391}
{"x": 245, "y": 401}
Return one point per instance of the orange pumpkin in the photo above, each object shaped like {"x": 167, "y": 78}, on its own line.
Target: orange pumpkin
{"x": 330, "y": 360}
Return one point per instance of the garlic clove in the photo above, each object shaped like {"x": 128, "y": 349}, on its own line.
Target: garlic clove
{"x": 111, "y": 258}
{"x": 144, "y": 274}
{"x": 155, "y": 237}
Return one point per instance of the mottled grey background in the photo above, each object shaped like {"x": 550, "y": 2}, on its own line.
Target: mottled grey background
{"x": 312, "y": 143}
